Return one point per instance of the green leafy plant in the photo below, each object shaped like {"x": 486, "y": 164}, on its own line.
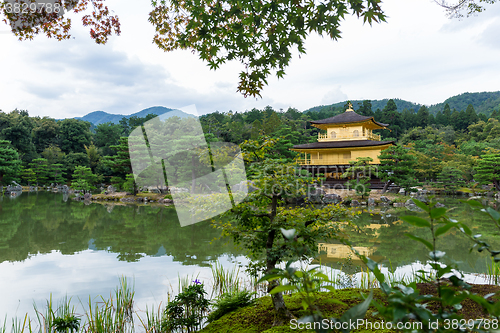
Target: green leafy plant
{"x": 67, "y": 323}
{"x": 187, "y": 310}
{"x": 230, "y": 302}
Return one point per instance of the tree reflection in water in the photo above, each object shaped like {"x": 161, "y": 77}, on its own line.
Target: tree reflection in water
{"x": 42, "y": 222}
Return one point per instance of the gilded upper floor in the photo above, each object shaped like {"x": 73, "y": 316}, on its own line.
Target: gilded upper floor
{"x": 348, "y": 126}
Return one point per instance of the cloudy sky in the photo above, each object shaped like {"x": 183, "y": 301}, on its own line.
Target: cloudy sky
{"x": 419, "y": 55}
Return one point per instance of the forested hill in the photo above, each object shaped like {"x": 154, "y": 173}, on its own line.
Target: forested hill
{"x": 376, "y": 104}
{"x": 483, "y": 103}
{"x": 101, "y": 117}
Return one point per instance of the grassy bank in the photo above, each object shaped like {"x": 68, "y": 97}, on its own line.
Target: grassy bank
{"x": 259, "y": 317}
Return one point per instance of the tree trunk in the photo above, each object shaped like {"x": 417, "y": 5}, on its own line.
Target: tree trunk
{"x": 497, "y": 184}
{"x": 386, "y": 186}
{"x": 193, "y": 176}
{"x": 282, "y": 315}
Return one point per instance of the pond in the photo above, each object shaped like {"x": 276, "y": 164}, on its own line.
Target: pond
{"x": 380, "y": 234}
{"x": 52, "y": 245}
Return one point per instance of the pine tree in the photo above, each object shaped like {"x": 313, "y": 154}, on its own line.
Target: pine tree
{"x": 84, "y": 179}
{"x": 488, "y": 170}
{"x": 40, "y": 167}
{"x": 447, "y": 114}
{"x": 55, "y": 172}
{"x": 28, "y": 176}
{"x": 423, "y": 116}
{"x": 470, "y": 115}
{"x": 9, "y": 161}
{"x": 396, "y": 166}
{"x": 120, "y": 163}
{"x": 495, "y": 114}
{"x": 366, "y": 109}
{"x": 360, "y": 173}
{"x": 451, "y": 178}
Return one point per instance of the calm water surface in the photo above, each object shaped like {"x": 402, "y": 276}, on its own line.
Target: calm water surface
{"x": 49, "y": 245}
{"x": 52, "y": 245}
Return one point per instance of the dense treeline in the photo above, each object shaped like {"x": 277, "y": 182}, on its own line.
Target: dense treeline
{"x": 65, "y": 151}
{"x": 75, "y": 152}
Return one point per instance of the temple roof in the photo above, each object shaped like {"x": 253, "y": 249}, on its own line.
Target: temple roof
{"x": 342, "y": 144}
{"x": 346, "y": 117}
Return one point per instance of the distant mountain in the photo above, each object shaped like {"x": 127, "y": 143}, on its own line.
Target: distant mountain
{"x": 483, "y": 102}
{"x": 99, "y": 117}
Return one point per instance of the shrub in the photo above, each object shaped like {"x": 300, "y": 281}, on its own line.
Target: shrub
{"x": 187, "y": 310}
{"x": 230, "y": 302}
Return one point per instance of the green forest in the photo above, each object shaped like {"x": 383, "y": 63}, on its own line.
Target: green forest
{"x": 42, "y": 151}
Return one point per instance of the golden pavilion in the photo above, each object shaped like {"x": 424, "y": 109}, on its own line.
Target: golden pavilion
{"x": 346, "y": 137}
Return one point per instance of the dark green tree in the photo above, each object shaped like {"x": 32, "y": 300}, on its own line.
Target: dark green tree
{"x": 120, "y": 163}
{"x": 72, "y": 160}
{"x": 396, "y": 166}
{"x": 106, "y": 135}
{"x": 366, "y": 108}
{"x": 28, "y": 175}
{"x": 84, "y": 179}
{"x": 471, "y": 115}
{"x": 18, "y": 132}
{"x": 423, "y": 116}
{"x": 360, "y": 173}
{"x": 451, "y": 178}
{"x": 10, "y": 164}
{"x": 488, "y": 170}
{"x": 45, "y": 134}
{"x": 447, "y": 114}
{"x": 55, "y": 172}
{"x": 40, "y": 167}
{"x": 53, "y": 154}
{"x": 391, "y": 116}
{"x": 409, "y": 118}
{"x": 441, "y": 119}
{"x": 256, "y": 130}
{"x": 75, "y": 134}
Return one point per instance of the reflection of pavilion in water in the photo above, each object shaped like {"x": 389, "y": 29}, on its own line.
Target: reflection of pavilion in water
{"x": 334, "y": 255}
{"x": 341, "y": 251}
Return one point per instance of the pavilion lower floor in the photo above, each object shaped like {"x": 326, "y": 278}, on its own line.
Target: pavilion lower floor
{"x": 333, "y": 175}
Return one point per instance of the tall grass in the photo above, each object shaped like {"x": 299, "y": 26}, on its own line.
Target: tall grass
{"x": 185, "y": 282}
{"x": 154, "y": 320}
{"x": 100, "y": 317}
{"x": 225, "y": 281}
{"x": 45, "y": 320}
{"x": 3, "y": 329}
{"x": 114, "y": 314}
{"x": 18, "y": 325}
{"x": 493, "y": 272}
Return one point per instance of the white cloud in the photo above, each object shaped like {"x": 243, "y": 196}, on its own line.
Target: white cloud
{"x": 334, "y": 96}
